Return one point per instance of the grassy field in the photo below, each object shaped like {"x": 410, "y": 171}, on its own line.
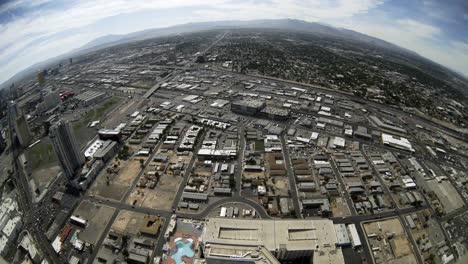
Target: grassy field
{"x": 142, "y": 84}
{"x": 41, "y": 155}
{"x": 82, "y": 131}
{"x": 96, "y": 113}
{"x": 259, "y": 146}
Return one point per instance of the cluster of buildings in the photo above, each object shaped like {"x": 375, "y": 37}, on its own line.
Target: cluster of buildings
{"x": 10, "y": 223}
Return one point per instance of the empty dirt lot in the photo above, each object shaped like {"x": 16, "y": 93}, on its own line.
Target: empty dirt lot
{"x": 118, "y": 182}
{"x": 447, "y": 195}
{"x": 163, "y": 195}
{"x": 389, "y": 241}
{"x": 98, "y": 216}
{"x": 128, "y": 222}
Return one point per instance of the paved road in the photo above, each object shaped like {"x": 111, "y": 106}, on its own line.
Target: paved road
{"x": 338, "y": 176}
{"x": 240, "y": 161}
{"x": 187, "y": 172}
{"x": 400, "y": 216}
{"x": 355, "y": 219}
{"x": 103, "y": 236}
{"x": 292, "y": 179}
{"x": 26, "y": 203}
{"x": 137, "y": 178}
{"x": 198, "y": 215}
{"x": 365, "y": 246}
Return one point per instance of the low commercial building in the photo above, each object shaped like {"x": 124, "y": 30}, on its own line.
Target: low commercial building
{"x": 90, "y": 97}
{"x": 397, "y": 142}
{"x": 247, "y": 107}
{"x": 222, "y": 191}
{"x": 107, "y": 151}
{"x": 355, "y": 239}
{"x": 151, "y": 226}
{"x": 307, "y": 186}
{"x": 387, "y": 126}
{"x": 330, "y": 121}
{"x": 275, "y": 113}
{"x": 197, "y": 197}
{"x": 110, "y": 134}
{"x": 190, "y": 138}
{"x": 362, "y": 132}
{"x": 323, "y": 205}
{"x": 342, "y": 237}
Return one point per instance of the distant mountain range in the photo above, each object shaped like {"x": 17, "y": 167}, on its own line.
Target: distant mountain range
{"x": 285, "y": 24}
{"x": 281, "y": 24}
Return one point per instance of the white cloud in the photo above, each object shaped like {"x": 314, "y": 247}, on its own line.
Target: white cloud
{"x": 419, "y": 29}
{"x": 421, "y": 38}
{"x": 42, "y": 24}
{"x": 21, "y": 4}
{"x": 314, "y": 10}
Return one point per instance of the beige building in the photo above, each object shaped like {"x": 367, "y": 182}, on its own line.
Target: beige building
{"x": 267, "y": 241}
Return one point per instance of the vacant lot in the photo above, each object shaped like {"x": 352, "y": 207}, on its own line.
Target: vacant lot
{"x": 390, "y": 241}
{"x": 447, "y": 195}
{"x": 98, "y": 216}
{"x": 128, "y": 222}
{"x": 43, "y": 163}
{"x": 163, "y": 195}
{"x": 98, "y": 112}
{"x": 41, "y": 155}
{"x": 114, "y": 185}
{"x": 339, "y": 207}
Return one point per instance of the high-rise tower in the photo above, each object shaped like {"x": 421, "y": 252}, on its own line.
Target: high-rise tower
{"x": 67, "y": 148}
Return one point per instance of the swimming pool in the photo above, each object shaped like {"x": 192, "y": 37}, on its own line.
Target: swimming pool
{"x": 182, "y": 249}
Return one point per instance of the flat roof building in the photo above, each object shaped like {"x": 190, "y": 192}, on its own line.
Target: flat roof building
{"x": 275, "y": 113}
{"x": 238, "y": 240}
{"x": 90, "y": 97}
{"x": 397, "y": 142}
{"x": 342, "y": 237}
{"x": 247, "y": 107}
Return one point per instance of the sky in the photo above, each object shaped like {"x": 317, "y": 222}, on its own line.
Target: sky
{"x": 32, "y": 31}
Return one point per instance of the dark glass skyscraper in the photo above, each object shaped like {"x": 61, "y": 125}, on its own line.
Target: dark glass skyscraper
{"x": 67, "y": 148}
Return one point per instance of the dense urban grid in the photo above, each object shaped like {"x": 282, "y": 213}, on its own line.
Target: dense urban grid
{"x": 226, "y": 146}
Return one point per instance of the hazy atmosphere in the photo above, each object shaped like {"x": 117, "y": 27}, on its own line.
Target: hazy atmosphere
{"x": 35, "y": 30}
{"x": 234, "y": 131}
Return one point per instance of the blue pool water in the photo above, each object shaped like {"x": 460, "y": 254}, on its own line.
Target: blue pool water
{"x": 183, "y": 249}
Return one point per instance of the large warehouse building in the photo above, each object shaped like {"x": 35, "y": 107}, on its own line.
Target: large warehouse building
{"x": 247, "y": 107}
{"x": 90, "y": 97}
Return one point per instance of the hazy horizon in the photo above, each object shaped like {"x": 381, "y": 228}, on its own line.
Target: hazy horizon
{"x": 37, "y": 30}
